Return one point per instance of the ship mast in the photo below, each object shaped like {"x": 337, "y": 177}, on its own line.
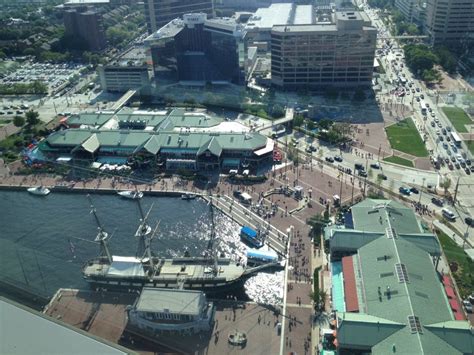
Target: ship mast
{"x": 102, "y": 235}
{"x": 211, "y": 253}
{"x": 142, "y": 231}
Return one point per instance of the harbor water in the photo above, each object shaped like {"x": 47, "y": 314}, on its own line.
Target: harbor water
{"x": 44, "y": 241}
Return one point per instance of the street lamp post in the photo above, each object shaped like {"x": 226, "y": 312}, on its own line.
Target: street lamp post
{"x": 421, "y": 190}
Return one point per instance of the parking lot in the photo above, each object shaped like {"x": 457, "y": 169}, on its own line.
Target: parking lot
{"x": 55, "y": 76}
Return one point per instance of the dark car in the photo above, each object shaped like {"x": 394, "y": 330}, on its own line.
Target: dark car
{"x": 375, "y": 165}
{"x": 437, "y": 201}
{"x": 469, "y": 221}
{"x": 330, "y": 159}
{"x": 362, "y": 173}
{"x": 468, "y": 162}
{"x": 467, "y": 171}
{"x": 358, "y": 166}
{"x": 414, "y": 190}
{"x": 404, "y": 190}
{"x": 382, "y": 176}
{"x": 457, "y": 165}
{"x": 338, "y": 158}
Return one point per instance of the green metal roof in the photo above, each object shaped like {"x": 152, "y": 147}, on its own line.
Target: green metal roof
{"x": 89, "y": 119}
{"x": 133, "y": 139}
{"x": 362, "y": 330}
{"x": 371, "y": 215}
{"x": 459, "y": 334}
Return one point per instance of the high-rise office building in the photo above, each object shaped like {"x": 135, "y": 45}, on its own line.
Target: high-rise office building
{"x": 406, "y": 7}
{"x": 450, "y": 22}
{"x": 159, "y": 12}
{"x": 198, "y": 49}
{"x": 314, "y": 52}
{"x": 87, "y": 25}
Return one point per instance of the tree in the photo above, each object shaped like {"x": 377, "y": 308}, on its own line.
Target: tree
{"x": 19, "y": 121}
{"x": 419, "y": 57}
{"x": 446, "y": 59}
{"x": 32, "y": 117}
{"x": 446, "y": 184}
{"x": 298, "y": 121}
{"x": 325, "y": 123}
{"x": 431, "y": 75}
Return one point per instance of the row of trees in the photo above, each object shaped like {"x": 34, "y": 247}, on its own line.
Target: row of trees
{"x": 31, "y": 118}
{"x": 36, "y": 87}
{"x": 421, "y": 60}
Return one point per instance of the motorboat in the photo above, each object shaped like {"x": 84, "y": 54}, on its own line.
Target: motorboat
{"x": 188, "y": 196}
{"x": 39, "y": 191}
{"x": 133, "y": 195}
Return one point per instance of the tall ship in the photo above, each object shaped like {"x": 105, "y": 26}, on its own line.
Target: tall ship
{"x": 208, "y": 273}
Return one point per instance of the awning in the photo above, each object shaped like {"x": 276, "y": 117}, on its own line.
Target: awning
{"x": 450, "y": 292}
{"x": 458, "y": 315}
{"x": 350, "y": 288}
{"x": 447, "y": 280}
{"x": 454, "y": 305}
{"x": 267, "y": 149}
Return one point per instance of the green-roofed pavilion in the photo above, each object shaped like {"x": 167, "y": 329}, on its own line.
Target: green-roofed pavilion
{"x": 399, "y": 301}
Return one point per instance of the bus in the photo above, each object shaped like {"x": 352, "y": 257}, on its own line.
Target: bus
{"x": 423, "y": 107}
{"x": 456, "y": 139}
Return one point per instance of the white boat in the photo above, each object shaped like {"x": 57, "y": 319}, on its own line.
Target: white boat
{"x": 133, "y": 195}
{"x": 39, "y": 190}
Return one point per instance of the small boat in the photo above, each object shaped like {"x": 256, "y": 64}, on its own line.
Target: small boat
{"x": 39, "y": 191}
{"x": 251, "y": 236}
{"x": 188, "y": 196}
{"x": 133, "y": 195}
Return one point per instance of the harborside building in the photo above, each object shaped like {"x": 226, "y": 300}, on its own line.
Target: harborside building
{"x": 390, "y": 294}
{"x": 316, "y": 53}
{"x": 166, "y": 311}
{"x": 169, "y": 141}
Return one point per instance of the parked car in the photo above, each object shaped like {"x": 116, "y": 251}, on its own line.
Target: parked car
{"x": 330, "y": 159}
{"x": 404, "y": 191}
{"x": 363, "y": 173}
{"x": 437, "y": 202}
{"x": 382, "y": 176}
{"x": 338, "y": 158}
{"x": 375, "y": 165}
{"x": 414, "y": 190}
{"x": 469, "y": 221}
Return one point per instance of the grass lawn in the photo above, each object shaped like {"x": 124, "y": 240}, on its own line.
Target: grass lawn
{"x": 458, "y": 118}
{"x": 465, "y": 274}
{"x": 470, "y": 145}
{"x": 400, "y": 161}
{"x": 403, "y": 136}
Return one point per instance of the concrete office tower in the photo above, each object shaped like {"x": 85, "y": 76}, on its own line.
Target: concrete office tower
{"x": 159, "y": 12}
{"x": 87, "y": 25}
{"x": 325, "y": 51}
{"x": 450, "y": 22}
{"x": 124, "y": 75}
{"x": 406, "y": 7}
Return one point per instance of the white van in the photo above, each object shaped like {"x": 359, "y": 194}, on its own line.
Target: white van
{"x": 448, "y": 214}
